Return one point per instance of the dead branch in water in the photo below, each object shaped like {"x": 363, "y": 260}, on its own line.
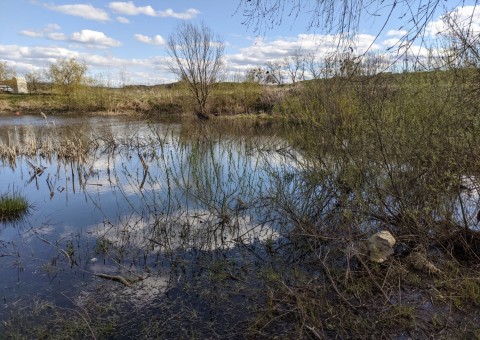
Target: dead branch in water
{"x": 145, "y": 170}
{"x": 37, "y": 170}
{"x": 71, "y": 260}
{"x": 116, "y": 278}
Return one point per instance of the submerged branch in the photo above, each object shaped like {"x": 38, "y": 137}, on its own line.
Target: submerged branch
{"x": 116, "y": 278}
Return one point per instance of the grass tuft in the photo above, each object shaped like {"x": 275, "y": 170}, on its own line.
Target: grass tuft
{"x": 13, "y": 206}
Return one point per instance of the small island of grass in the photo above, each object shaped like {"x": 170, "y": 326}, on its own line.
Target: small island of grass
{"x": 13, "y": 206}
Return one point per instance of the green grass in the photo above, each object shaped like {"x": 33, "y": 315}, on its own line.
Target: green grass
{"x": 13, "y": 207}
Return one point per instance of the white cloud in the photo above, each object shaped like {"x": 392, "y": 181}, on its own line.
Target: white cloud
{"x": 35, "y": 54}
{"x": 188, "y": 14}
{"x": 24, "y": 67}
{"x": 33, "y": 34}
{"x": 39, "y": 34}
{"x": 57, "y": 36}
{"x": 396, "y": 33}
{"x": 88, "y": 38}
{"x": 81, "y": 10}
{"x": 467, "y": 17}
{"x": 391, "y": 42}
{"x": 94, "y": 39}
{"x": 129, "y": 8}
{"x": 140, "y": 71}
{"x": 52, "y": 27}
{"x": 157, "y": 40}
{"x": 364, "y": 43}
{"x": 123, "y": 20}
{"x": 262, "y": 50}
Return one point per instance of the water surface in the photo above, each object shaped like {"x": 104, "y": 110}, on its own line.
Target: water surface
{"x": 125, "y": 197}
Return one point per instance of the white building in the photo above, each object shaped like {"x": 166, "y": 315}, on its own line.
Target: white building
{"x": 14, "y": 85}
{"x": 19, "y": 85}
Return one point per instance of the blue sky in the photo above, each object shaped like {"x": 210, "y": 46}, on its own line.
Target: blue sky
{"x": 126, "y": 39}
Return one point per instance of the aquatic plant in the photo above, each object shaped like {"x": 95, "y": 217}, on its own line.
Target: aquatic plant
{"x": 13, "y": 206}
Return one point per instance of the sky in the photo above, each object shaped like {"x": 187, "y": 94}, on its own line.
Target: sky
{"x": 124, "y": 42}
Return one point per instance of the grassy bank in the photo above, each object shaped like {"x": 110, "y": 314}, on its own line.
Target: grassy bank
{"x": 226, "y": 99}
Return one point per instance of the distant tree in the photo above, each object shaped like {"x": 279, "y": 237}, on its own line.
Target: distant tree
{"x": 197, "y": 59}
{"x": 6, "y": 72}
{"x": 312, "y": 65}
{"x": 274, "y": 72}
{"x": 463, "y": 40}
{"x": 67, "y": 75}
{"x": 33, "y": 79}
{"x": 349, "y": 64}
{"x": 371, "y": 64}
{"x": 295, "y": 66}
{"x": 123, "y": 79}
{"x": 255, "y": 75}
{"x": 329, "y": 66}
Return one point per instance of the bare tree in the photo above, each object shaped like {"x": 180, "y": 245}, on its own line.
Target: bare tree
{"x": 330, "y": 66}
{"x": 122, "y": 78}
{"x": 255, "y": 75}
{"x": 295, "y": 66}
{"x": 372, "y": 64}
{"x": 197, "y": 58}
{"x": 34, "y": 79}
{"x": 343, "y": 17}
{"x": 312, "y": 65}
{"x": 349, "y": 66}
{"x": 274, "y": 72}
{"x": 6, "y": 72}
{"x": 464, "y": 41}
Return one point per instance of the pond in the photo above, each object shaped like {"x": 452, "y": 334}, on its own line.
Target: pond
{"x": 183, "y": 229}
{"x": 130, "y": 210}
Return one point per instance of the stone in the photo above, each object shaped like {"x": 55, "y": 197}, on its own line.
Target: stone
{"x": 380, "y": 246}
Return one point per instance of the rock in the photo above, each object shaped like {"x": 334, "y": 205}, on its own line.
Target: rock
{"x": 380, "y": 246}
